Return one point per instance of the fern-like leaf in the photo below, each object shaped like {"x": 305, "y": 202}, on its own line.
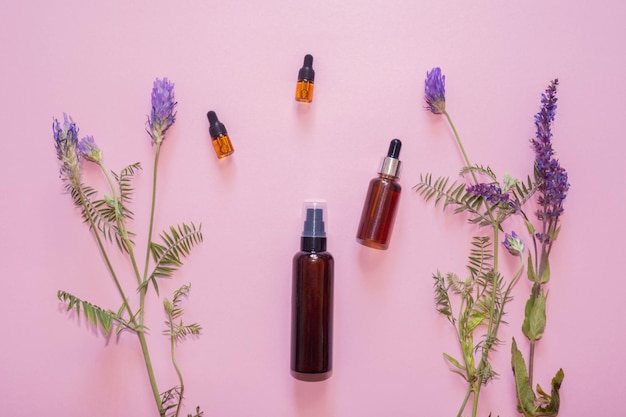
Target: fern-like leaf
{"x": 124, "y": 180}
{"x": 97, "y": 316}
{"x": 484, "y": 170}
{"x": 175, "y": 328}
{"x": 177, "y": 244}
{"x": 442, "y": 298}
{"x": 523, "y": 191}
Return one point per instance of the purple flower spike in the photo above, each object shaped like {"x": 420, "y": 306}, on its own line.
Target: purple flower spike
{"x": 491, "y": 192}
{"x": 66, "y": 144}
{"x": 435, "y": 91}
{"x": 551, "y": 178}
{"x": 89, "y": 150}
{"x": 513, "y": 244}
{"x": 163, "y": 115}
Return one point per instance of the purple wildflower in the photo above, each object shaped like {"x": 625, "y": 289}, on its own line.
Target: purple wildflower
{"x": 435, "y": 91}
{"x": 66, "y": 144}
{"x": 491, "y": 192}
{"x": 513, "y": 244}
{"x": 88, "y": 149}
{"x": 163, "y": 114}
{"x": 551, "y": 178}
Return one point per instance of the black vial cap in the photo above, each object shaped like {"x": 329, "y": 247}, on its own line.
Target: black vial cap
{"x": 394, "y": 149}
{"x": 307, "y": 72}
{"x": 216, "y": 128}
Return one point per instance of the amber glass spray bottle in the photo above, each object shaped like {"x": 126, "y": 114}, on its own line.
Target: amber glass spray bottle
{"x": 381, "y": 202}
{"x": 312, "y": 301}
{"x": 306, "y": 78}
{"x": 219, "y": 136}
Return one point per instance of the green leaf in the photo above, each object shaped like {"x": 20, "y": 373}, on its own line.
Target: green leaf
{"x": 453, "y": 361}
{"x": 442, "y": 299}
{"x": 545, "y": 276}
{"x": 532, "y": 276}
{"x": 177, "y": 244}
{"x": 178, "y": 331}
{"x": 529, "y": 227}
{"x": 525, "y": 395}
{"x": 97, "y": 316}
{"x": 535, "y": 317}
{"x": 527, "y": 403}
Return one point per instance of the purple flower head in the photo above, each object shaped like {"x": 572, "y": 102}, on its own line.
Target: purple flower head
{"x": 435, "y": 91}
{"x": 513, "y": 244}
{"x": 551, "y": 178}
{"x": 88, "y": 149}
{"x": 491, "y": 192}
{"x": 163, "y": 114}
{"x": 66, "y": 144}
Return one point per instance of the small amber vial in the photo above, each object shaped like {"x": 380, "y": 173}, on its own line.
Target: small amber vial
{"x": 219, "y": 136}
{"x": 306, "y": 78}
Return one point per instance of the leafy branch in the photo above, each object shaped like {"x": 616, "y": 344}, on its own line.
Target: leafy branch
{"x": 177, "y": 244}
{"x": 97, "y": 316}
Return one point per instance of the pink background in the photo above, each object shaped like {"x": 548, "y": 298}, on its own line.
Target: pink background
{"x": 97, "y": 60}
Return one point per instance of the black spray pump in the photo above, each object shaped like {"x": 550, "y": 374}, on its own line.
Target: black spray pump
{"x": 312, "y": 301}
{"x": 313, "y": 236}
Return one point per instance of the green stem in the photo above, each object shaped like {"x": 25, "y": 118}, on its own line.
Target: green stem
{"x": 153, "y": 384}
{"x": 143, "y": 288}
{"x": 458, "y": 141}
{"x": 140, "y": 332}
{"x": 178, "y": 372}
{"x": 121, "y": 224}
{"x": 490, "y": 328}
{"x": 105, "y": 256}
{"x": 464, "y": 403}
{"x": 152, "y": 206}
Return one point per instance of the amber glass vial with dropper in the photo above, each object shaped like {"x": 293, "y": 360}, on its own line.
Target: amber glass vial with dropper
{"x": 219, "y": 136}
{"x": 306, "y": 79}
{"x": 312, "y": 301}
{"x": 381, "y": 202}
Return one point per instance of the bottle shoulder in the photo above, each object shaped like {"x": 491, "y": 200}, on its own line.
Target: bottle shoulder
{"x": 313, "y": 256}
{"x": 387, "y": 182}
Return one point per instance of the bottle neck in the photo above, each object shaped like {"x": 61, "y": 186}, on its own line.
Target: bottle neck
{"x": 313, "y": 244}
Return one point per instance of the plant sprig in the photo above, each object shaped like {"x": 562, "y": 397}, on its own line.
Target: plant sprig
{"x": 482, "y": 296}
{"x": 108, "y": 218}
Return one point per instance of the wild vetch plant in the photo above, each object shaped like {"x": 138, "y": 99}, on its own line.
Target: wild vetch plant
{"x": 476, "y": 302}
{"x": 108, "y": 217}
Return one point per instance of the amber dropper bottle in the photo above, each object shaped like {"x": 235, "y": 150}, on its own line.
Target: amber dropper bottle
{"x": 312, "y": 301}
{"x": 306, "y": 78}
{"x": 381, "y": 202}
{"x": 219, "y": 136}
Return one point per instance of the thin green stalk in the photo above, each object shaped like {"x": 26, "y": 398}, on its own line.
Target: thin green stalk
{"x": 490, "y": 328}
{"x": 153, "y": 384}
{"x": 143, "y": 289}
{"x": 103, "y": 251}
{"x": 121, "y": 225}
{"x": 178, "y": 372}
{"x": 470, "y": 389}
{"x": 151, "y": 224}
{"x": 496, "y": 225}
{"x": 458, "y": 141}
{"x": 140, "y": 332}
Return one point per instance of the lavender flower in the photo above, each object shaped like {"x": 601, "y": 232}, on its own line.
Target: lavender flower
{"x": 163, "y": 114}
{"x": 491, "y": 192}
{"x": 89, "y": 150}
{"x": 66, "y": 144}
{"x": 550, "y": 176}
{"x": 435, "y": 91}
{"x": 513, "y": 244}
